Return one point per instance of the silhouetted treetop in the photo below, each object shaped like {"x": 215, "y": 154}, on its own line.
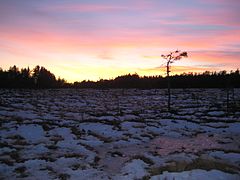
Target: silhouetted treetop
{"x": 174, "y": 56}
{"x": 39, "y": 77}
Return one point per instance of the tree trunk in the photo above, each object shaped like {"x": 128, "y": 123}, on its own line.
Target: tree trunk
{"x": 169, "y": 88}
{"x": 227, "y": 100}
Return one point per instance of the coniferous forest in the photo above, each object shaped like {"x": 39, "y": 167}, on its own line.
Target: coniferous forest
{"x": 40, "y": 77}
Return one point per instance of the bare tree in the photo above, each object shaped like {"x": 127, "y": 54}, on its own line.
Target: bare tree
{"x": 171, "y": 58}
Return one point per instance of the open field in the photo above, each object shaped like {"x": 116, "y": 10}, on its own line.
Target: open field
{"x": 119, "y": 134}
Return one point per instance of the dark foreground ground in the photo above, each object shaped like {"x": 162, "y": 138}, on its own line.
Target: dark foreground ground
{"x": 119, "y": 134}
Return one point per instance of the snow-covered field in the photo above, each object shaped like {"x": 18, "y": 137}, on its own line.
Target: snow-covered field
{"x": 118, "y": 134}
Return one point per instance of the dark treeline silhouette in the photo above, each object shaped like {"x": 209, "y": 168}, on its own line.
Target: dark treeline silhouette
{"x": 207, "y": 79}
{"x": 40, "y": 77}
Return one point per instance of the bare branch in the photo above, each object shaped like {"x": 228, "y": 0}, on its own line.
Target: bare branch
{"x": 171, "y": 58}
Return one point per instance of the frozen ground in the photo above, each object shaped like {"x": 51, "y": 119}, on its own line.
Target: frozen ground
{"x": 118, "y": 134}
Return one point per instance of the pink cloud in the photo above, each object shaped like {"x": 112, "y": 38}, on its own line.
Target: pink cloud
{"x": 87, "y": 8}
{"x": 95, "y": 8}
{"x": 54, "y": 40}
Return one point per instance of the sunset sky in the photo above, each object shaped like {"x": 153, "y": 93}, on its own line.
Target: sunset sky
{"x": 93, "y": 39}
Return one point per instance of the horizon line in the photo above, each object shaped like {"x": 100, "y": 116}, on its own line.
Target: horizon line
{"x": 129, "y": 73}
